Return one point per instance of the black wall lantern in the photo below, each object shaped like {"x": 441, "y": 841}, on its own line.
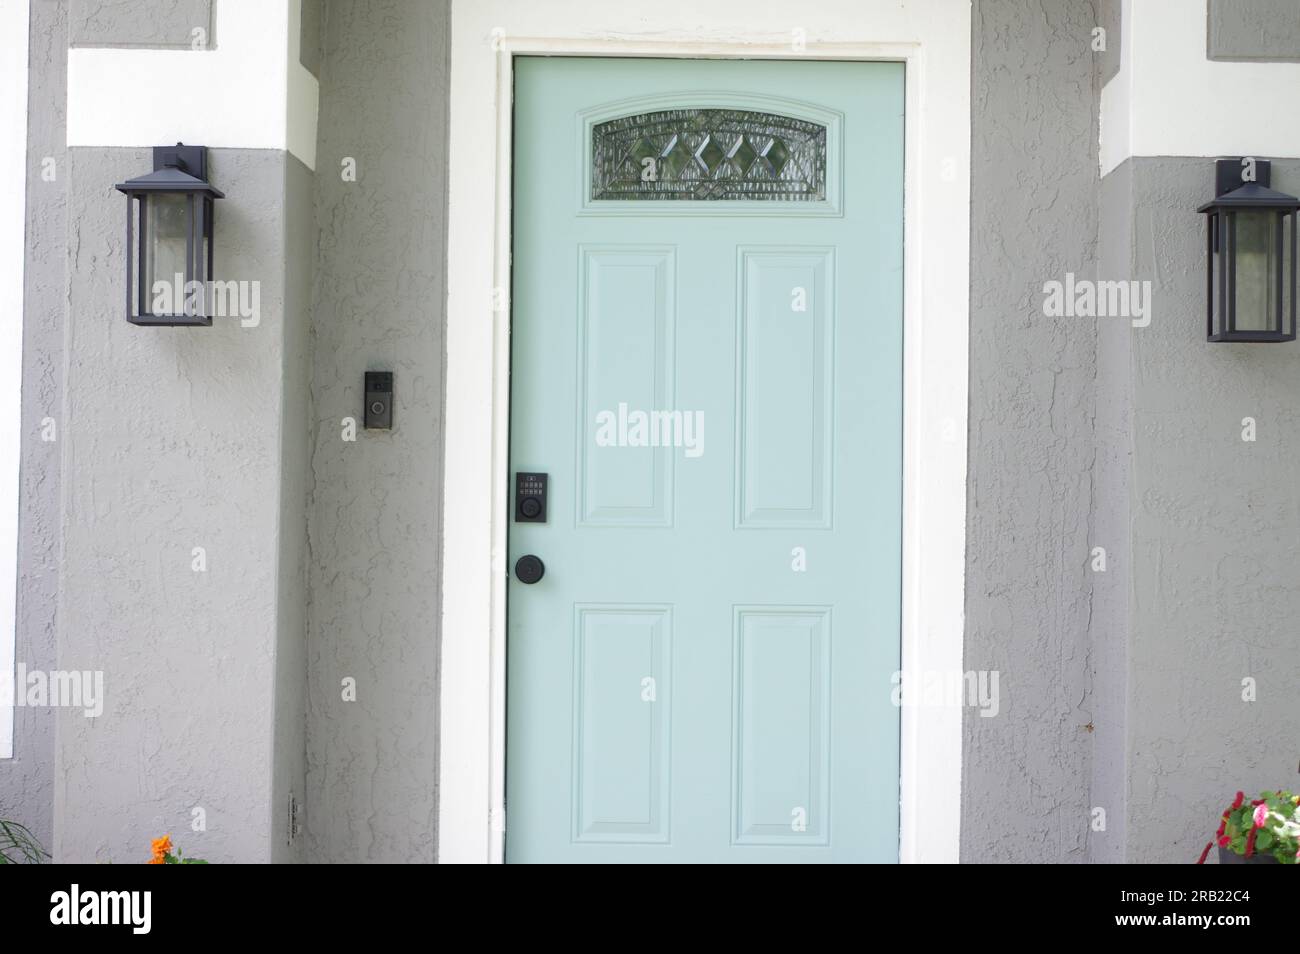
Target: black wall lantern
{"x": 169, "y": 215}
{"x": 1251, "y": 252}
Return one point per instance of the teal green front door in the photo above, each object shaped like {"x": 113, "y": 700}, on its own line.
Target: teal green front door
{"x": 706, "y": 364}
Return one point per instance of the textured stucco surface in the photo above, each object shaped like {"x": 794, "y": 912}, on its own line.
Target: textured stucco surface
{"x": 1215, "y": 523}
{"x": 1108, "y": 624}
{"x": 27, "y": 780}
{"x": 1254, "y": 30}
{"x": 172, "y": 440}
{"x": 374, "y": 524}
{"x": 1110, "y": 18}
{"x": 1034, "y": 215}
{"x": 310, "y": 40}
{"x": 289, "y": 757}
{"x": 139, "y": 23}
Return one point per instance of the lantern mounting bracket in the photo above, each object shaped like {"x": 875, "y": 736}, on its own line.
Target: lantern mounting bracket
{"x": 1228, "y": 174}
{"x": 189, "y": 159}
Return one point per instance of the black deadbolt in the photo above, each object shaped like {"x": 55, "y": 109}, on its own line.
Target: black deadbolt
{"x": 529, "y": 569}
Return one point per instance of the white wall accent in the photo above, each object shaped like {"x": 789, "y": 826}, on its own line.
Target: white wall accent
{"x": 249, "y": 92}
{"x": 933, "y": 38}
{"x": 303, "y": 101}
{"x": 1114, "y": 110}
{"x": 1168, "y": 99}
{"x": 13, "y": 220}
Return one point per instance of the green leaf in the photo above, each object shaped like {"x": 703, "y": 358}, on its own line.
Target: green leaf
{"x": 19, "y": 846}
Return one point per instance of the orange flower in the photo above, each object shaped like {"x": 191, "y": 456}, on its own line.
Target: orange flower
{"x": 156, "y": 860}
{"x": 161, "y": 848}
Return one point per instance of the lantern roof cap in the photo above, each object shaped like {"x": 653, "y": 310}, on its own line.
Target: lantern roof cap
{"x": 169, "y": 179}
{"x": 1252, "y": 196}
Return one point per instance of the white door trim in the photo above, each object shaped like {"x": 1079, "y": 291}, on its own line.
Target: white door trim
{"x": 932, "y": 37}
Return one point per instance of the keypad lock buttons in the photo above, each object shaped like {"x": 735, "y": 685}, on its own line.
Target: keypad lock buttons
{"x": 530, "y": 497}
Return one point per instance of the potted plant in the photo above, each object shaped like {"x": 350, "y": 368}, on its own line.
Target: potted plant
{"x": 1265, "y": 830}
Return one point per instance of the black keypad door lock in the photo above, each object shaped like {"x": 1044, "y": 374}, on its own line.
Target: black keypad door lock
{"x": 529, "y": 569}
{"x": 530, "y": 498}
{"x": 379, "y": 400}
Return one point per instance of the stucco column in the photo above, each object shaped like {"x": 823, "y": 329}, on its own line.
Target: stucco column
{"x": 183, "y": 451}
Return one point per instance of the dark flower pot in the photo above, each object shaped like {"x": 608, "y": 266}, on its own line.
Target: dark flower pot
{"x": 1229, "y": 857}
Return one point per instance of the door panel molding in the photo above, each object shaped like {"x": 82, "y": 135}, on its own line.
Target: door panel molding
{"x": 628, "y": 802}
{"x": 779, "y": 678}
{"x": 763, "y": 465}
{"x": 604, "y": 479}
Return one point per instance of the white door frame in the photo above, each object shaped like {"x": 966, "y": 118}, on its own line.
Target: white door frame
{"x": 932, "y": 38}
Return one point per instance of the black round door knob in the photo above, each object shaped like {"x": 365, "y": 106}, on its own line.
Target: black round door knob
{"x": 529, "y": 569}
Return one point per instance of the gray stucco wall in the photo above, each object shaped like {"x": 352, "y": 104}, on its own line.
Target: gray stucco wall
{"x": 27, "y": 780}
{"x": 1215, "y": 520}
{"x": 1034, "y": 213}
{"x": 1109, "y": 18}
{"x": 289, "y": 757}
{"x": 130, "y": 23}
{"x": 207, "y": 673}
{"x": 172, "y": 440}
{"x": 1111, "y": 591}
{"x": 375, "y": 516}
{"x": 310, "y": 35}
{"x": 1253, "y": 30}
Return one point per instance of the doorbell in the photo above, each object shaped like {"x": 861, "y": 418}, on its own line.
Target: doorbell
{"x": 379, "y": 400}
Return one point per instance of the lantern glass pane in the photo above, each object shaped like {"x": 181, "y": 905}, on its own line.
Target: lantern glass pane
{"x": 1257, "y": 271}
{"x": 167, "y": 224}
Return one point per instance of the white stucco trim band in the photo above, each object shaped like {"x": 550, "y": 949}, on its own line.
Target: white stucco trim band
{"x": 13, "y": 224}
{"x": 248, "y": 92}
{"x": 1170, "y": 99}
{"x": 932, "y": 38}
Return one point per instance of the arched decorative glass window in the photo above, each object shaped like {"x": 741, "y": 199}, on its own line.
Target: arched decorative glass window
{"x": 708, "y": 154}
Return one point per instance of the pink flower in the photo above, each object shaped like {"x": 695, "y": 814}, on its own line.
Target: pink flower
{"x": 1224, "y": 841}
{"x": 1261, "y": 815}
